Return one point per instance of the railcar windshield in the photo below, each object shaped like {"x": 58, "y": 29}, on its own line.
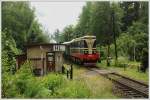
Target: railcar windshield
{"x": 90, "y": 45}
{"x": 85, "y": 46}
{"x": 94, "y": 45}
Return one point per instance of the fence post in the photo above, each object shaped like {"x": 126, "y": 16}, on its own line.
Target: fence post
{"x": 125, "y": 65}
{"x": 63, "y": 69}
{"x": 139, "y": 67}
{"x": 67, "y": 73}
{"x": 71, "y": 72}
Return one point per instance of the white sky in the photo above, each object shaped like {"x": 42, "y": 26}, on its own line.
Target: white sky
{"x": 57, "y": 15}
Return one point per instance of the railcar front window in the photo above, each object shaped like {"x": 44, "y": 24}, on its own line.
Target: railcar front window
{"x": 85, "y": 44}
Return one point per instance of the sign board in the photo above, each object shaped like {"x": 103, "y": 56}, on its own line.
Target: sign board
{"x": 58, "y": 47}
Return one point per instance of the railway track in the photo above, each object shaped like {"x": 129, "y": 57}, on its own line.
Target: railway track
{"x": 129, "y": 88}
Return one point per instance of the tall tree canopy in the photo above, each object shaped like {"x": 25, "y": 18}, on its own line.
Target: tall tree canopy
{"x": 19, "y": 19}
{"x": 128, "y": 21}
{"x": 19, "y": 27}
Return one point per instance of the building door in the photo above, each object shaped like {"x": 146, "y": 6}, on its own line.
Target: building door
{"x": 50, "y": 61}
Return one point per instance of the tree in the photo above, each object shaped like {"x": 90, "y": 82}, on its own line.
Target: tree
{"x": 116, "y": 16}
{"x": 57, "y": 35}
{"x": 84, "y": 19}
{"x": 139, "y": 33}
{"x": 131, "y": 13}
{"x": 67, "y": 33}
{"x": 9, "y": 51}
{"x": 13, "y": 19}
{"x": 19, "y": 18}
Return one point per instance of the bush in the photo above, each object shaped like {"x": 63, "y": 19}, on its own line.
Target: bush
{"x": 8, "y": 87}
{"x": 122, "y": 61}
{"x": 25, "y": 85}
{"x": 43, "y": 93}
{"x": 33, "y": 88}
{"x": 52, "y": 82}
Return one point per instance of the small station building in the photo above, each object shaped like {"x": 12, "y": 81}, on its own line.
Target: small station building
{"x": 44, "y": 57}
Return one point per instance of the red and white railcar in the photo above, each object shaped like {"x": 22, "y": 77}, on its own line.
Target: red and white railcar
{"x": 82, "y": 50}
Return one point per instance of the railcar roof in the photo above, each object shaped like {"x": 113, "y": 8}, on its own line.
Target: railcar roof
{"x": 77, "y": 39}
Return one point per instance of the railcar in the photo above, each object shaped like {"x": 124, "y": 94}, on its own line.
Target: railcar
{"x": 82, "y": 50}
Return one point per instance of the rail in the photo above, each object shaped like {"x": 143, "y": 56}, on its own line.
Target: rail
{"x": 133, "y": 88}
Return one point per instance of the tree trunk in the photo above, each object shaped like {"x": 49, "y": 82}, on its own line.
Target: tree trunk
{"x": 114, "y": 36}
{"x": 108, "y": 54}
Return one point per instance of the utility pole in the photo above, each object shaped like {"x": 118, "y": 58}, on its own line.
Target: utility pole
{"x": 134, "y": 51}
{"x": 114, "y": 35}
{"x": 108, "y": 53}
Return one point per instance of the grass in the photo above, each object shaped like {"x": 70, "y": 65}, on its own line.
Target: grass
{"x": 131, "y": 70}
{"x": 99, "y": 86}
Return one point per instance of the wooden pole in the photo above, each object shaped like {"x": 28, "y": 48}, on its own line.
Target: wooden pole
{"x": 108, "y": 54}
{"x": 134, "y": 51}
{"x": 71, "y": 72}
{"x": 114, "y": 36}
{"x": 63, "y": 69}
{"x": 67, "y": 74}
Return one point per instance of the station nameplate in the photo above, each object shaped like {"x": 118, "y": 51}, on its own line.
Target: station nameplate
{"x": 58, "y": 48}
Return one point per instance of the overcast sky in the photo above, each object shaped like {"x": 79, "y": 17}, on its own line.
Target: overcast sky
{"x": 57, "y": 15}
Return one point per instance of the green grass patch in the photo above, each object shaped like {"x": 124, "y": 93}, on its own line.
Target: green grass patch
{"x": 131, "y": 69}
{"x": 99, "y": 86}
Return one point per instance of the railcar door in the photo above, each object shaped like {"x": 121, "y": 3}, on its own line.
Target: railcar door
{"x": 50, "y": 61}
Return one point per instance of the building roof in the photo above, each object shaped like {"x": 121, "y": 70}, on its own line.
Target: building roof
{"x": 42, "y": 44}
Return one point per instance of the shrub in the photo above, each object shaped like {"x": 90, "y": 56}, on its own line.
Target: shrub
{"x": 24, "y": 85}
{"x": 52, "y": 81}
{"x": 8, "y": 88}
{"x": 122, "y": 61}
{"x": 43, "y": 93}
{"x": 32, "y": 88}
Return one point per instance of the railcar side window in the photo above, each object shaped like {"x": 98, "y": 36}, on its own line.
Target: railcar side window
{"x": 94, "y": 45}
{"x": 79, "y": 44}
{"x": 82, "y": 44}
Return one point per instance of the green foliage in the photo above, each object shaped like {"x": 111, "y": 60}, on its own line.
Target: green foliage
{"x": 25, "y": 85}
{"x": 67, "y": 34}
{"x": 84, "y": 20}
{"x": 9, "y": 50}
{"x": 131, "y": 27}
{"x": 144, "y": 60}
{"x": 19, "y": 19}
{"x": 14, "y": 20}
{"x": 130, "y": 71}
{"x": 74, "y": 89}
{"x": 52, "y": 82}
{"x": 122, "y": 62}
{"x": 33, "y": 88}
{"x": 20, "y": 27}
{"x": 57, "y": 35}
{"x": 131, "y": 43}
{"x": 95, "y": 19}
